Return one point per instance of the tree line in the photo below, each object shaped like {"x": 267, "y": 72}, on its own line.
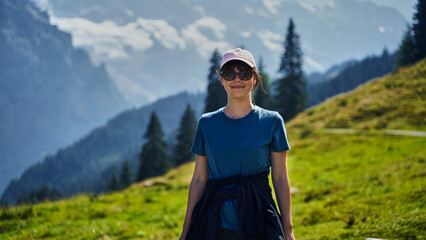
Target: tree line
{"x": 413, "y": 45}
{"x": 351, "y": 76}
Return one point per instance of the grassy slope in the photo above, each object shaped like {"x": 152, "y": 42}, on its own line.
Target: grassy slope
{"x": 346, "y": 186}
{"x": 396, "y": 101}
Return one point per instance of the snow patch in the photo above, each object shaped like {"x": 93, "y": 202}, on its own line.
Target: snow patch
{"x": 318, "y": 66}
{"x": 331, "y": 4}
{"x": 166, "y": 34}
{"x": 200, "y": 10}
{"x": 204, "y": 45}
{"x": 308, "y": 7}
{"x": 245, "y": 34}
{"x": 249, "y": 10}
{"x": 271, "y": 5}
{"x": 273, "y": 41}
{"x": 129, "y": 12}
{"x": 383, "y": 29}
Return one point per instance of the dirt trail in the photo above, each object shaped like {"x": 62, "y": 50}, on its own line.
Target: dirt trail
{"x": 386, "y": 131}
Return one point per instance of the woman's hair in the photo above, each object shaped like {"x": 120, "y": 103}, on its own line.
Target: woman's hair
{"x": 240, "y": 65}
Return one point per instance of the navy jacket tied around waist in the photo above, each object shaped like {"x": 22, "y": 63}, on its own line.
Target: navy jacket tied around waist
{"x": 258, "y": 217}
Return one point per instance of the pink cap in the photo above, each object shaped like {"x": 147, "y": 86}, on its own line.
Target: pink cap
{"x": 238, "y": 54}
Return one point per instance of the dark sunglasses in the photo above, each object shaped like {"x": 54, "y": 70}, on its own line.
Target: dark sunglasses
{"x": 229, "y": 75}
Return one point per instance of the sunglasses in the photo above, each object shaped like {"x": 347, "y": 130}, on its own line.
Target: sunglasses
{"x": 230, "y": 75}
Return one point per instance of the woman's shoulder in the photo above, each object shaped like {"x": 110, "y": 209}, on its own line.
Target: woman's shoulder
{"x": 267, "y": 114}
{"x": 210, "y": 115}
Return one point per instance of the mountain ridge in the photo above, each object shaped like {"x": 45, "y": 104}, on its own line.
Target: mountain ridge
{"x": 51, "y": 93}
{"x": 84, "y": 165}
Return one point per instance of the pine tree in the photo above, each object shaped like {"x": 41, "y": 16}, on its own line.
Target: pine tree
{"x": 386, "y": 58}
{"x": 407, "y": 50}
{"x": 419, "y": 30}
{"x": 153, "y": 160}
{"x": 113, "y": 183}
{"x": 291, "y": 93}
{"x": 262, "y": 98}
{"x": 186, "y": 133}
{"x": 40, "y": 194}
{"x": 216, "y": 94}
{"x": 126, "y": 175}
{"x": 387, "y": 61}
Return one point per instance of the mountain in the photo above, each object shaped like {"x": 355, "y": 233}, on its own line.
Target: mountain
{"x": 157, "y": 48}
{"x": 343, "y": 186}
{"x": 85, "y": 165}
{"x": 332, "y": 72}
{"x": 50, "y": 92}
{"x": 347, "y": 76}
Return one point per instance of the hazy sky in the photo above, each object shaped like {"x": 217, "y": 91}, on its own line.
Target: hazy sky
{"x": 405, "y": 7}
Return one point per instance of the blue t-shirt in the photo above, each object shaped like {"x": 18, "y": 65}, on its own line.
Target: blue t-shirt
{"x": 238, "y": 147}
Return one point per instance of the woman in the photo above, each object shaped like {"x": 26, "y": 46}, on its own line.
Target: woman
{"x": 229, "y": 195}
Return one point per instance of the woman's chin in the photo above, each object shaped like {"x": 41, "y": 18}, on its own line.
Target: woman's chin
{"x": 239, "y": 95}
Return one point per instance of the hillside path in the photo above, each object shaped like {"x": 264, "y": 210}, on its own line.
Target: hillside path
{"x": 386, "y": 131}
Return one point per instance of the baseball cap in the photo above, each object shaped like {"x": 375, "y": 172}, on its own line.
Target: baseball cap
{"x": 238, "y": 54}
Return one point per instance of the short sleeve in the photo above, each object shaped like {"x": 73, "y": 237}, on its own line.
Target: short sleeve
{"x": 279, "y": 140}
{"x": 198, "y": 146}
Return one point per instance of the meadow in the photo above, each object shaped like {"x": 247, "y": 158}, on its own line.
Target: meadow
{"x": 344, "y": 186}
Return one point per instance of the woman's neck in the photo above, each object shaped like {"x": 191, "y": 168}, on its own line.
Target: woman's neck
{"x": 238, "y": 109}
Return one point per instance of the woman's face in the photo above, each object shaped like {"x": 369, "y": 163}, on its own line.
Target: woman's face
{"x": 238, "y": 88}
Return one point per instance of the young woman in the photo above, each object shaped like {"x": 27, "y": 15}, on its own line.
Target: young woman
{"x": 235, "y": 146}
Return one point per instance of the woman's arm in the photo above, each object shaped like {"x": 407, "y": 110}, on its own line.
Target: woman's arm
{"x": 196, "y": 189}
{"x": 282, "y": 190}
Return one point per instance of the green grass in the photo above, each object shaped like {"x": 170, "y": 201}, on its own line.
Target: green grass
{"x": 136, "y": 213}
{"x": 346, "y": 186}
{"x": 349, "y": 187}
{"x": 397, "y": 101}
{"x": 358, "y": 186}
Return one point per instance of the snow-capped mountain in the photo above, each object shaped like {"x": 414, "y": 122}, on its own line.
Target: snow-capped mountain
{"x": 51, "y": 94}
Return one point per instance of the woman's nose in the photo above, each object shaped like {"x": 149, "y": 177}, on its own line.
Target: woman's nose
{"x": 237, "y": 76}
